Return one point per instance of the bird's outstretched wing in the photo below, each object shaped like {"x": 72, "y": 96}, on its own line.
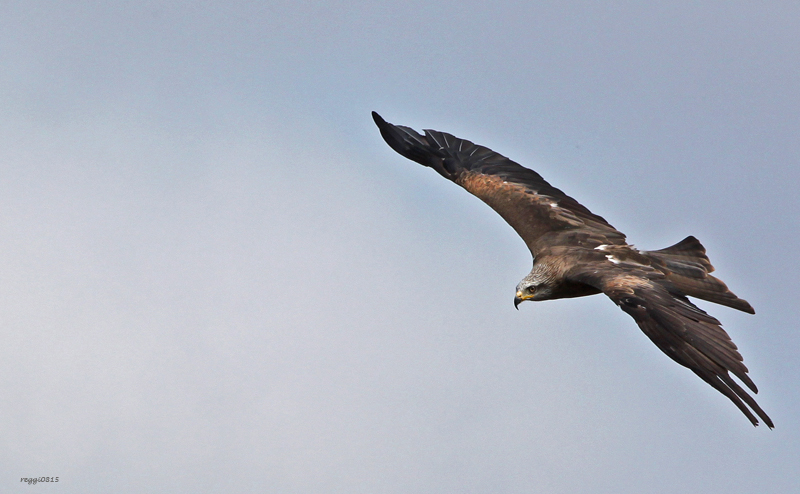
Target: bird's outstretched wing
{"x": 686, "y": 333}
{"x": 533, "y": 207}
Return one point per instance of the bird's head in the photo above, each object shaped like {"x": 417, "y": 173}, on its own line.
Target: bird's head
{"x": 535, "y": 286}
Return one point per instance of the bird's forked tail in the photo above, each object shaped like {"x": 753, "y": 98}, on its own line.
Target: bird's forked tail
{"x": 689, "y": 269}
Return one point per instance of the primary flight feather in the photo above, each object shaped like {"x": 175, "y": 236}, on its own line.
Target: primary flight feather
{"x": 577, "y": 253}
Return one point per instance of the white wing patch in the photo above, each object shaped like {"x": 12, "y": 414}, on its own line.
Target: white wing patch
{"x": 612, "y": 259}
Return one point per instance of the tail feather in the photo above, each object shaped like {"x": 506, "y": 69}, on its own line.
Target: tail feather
{"x": 689, "y": 270}
{"x": 689, "y": 251}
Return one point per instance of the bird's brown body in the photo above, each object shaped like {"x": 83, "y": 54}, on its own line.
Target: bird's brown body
{"x": 578, "y": 253}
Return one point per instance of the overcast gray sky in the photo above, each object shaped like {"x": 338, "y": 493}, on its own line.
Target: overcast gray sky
{"x": 215, "y": 276}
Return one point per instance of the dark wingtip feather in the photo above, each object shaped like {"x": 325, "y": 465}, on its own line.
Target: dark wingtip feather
{"x": 398, "y": 138}
{"x": 384, "y": 126}
{"x": 411, "y": 144}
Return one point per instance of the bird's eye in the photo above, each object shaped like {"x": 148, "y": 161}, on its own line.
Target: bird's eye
{"x": 531, "y": 289}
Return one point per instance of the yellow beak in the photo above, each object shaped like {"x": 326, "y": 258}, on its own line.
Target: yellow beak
{"x": 519, "y": 298}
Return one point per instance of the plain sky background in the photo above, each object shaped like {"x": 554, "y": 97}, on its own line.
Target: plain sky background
{"x": 216, "y": 277}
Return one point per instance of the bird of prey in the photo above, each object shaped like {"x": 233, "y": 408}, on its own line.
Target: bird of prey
{"x": 578, "y": 253}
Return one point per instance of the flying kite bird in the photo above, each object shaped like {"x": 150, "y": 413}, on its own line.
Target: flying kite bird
{"x": 578, "y": 253}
